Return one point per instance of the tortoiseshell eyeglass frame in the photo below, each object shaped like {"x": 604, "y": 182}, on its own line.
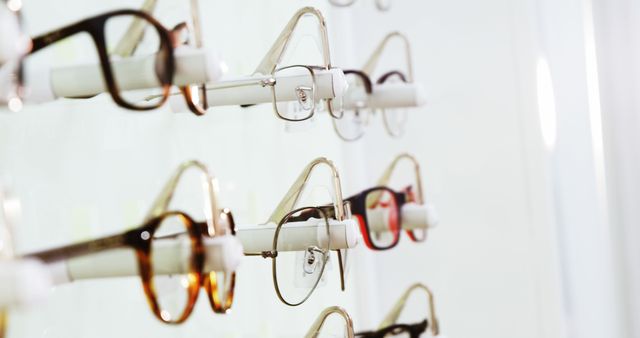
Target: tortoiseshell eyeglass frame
{"x": 95, "y": 27}
{"x": 218, "y": 222}
{"x": 196, "y": 101}
{"x": 341, "y": 211}
{"x": 316, "y": 328}
{"x": 140, "y": 239}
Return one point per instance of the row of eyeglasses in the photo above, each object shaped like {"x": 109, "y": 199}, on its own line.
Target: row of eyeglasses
{"x": 142, "y": 65}
{"x": 176, "y": 253}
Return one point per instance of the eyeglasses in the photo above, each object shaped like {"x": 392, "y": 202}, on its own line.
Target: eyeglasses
{"x": 382, "y": 5}
{"x": 411, "y": 195}
{"x": 357, "y": 117}
{"x": 171, "y": 295}
{"x": 389, "y": 327}
{"x": 194, "y": 95}
{"x": 332, "y": 312}
{"x": 291, "y": 83}
{"x": 19, "y": 44}
{"x": 296, "y": 274}
{"x": 104, "y": 30}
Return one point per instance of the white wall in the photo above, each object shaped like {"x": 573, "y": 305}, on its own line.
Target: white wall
{"x": 498, "y": 263}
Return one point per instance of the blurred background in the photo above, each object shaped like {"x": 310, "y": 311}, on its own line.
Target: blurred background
{"x": 528, "y": 149}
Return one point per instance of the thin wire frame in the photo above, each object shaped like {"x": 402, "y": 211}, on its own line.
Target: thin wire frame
{"x": 275, "y": 54}
{"x": 364, "y": 79}
{"x": 396, "y": 310}
{"x": 214, "y": 226}
{"x": 274, "y": 256}
{"x": 341, "y": 212}
{"x": 317, "y": 325}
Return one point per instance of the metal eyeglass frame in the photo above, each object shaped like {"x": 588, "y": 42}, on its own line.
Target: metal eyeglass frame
{"x": 317, "y": 325}
{"x": 369, "y": 68}
{"x": 269, "y": 64}
{"x": 285, "y": 208}
{"x": 379, "y": 5}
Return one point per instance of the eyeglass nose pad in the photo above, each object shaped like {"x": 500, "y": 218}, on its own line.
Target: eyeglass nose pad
{"x": 312, "y": 257}
{"x": 304, "y": 94}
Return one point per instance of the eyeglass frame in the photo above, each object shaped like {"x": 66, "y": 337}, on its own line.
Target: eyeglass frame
{"x": 282, "y": 211}
{"x": 141, "y": 237}
{"x": 389, "y": 324}
{"x": 95, "y": 27}
{"x": 368, "y": 87}
{"x": 317, "y": 325}
{"x": 133, "y": 37}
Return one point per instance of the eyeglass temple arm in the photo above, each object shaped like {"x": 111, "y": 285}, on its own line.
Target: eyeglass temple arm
{"x": 133, "y": 35}
{"x": 81, "y": 249}
{"x": 393, "y": 315}
{"x": 275, "y": 54}
{"x": 46, "y": 39}
{"x": 370, "y": 66}
{"x": 291, "y": 197}
{"x": 314, "y": 330}
{"x": 161, "y": 203}
{"x": 386, "y": 176}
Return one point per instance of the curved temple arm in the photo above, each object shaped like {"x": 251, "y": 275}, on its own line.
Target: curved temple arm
{"x": 314, "y": 330}
{"x": 292, "y": 196}
{"x": 132, "y": 37}
{"x": 274, "y": 55}
{"x": 134, "y": 34}
{"x": 386, "y": 176}
{"x": 393, "y": 315}
{"x": 161, "y": 203}
{"x": 371, "y": 64}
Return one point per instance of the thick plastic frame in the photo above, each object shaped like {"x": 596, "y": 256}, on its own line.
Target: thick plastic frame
{"x": 95, "y": 27}
{"x": 214, "y": 227}
{"x": 419, "y": 193}
{"x": 141, "y": 237}
{"x": 133, "y": 37}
